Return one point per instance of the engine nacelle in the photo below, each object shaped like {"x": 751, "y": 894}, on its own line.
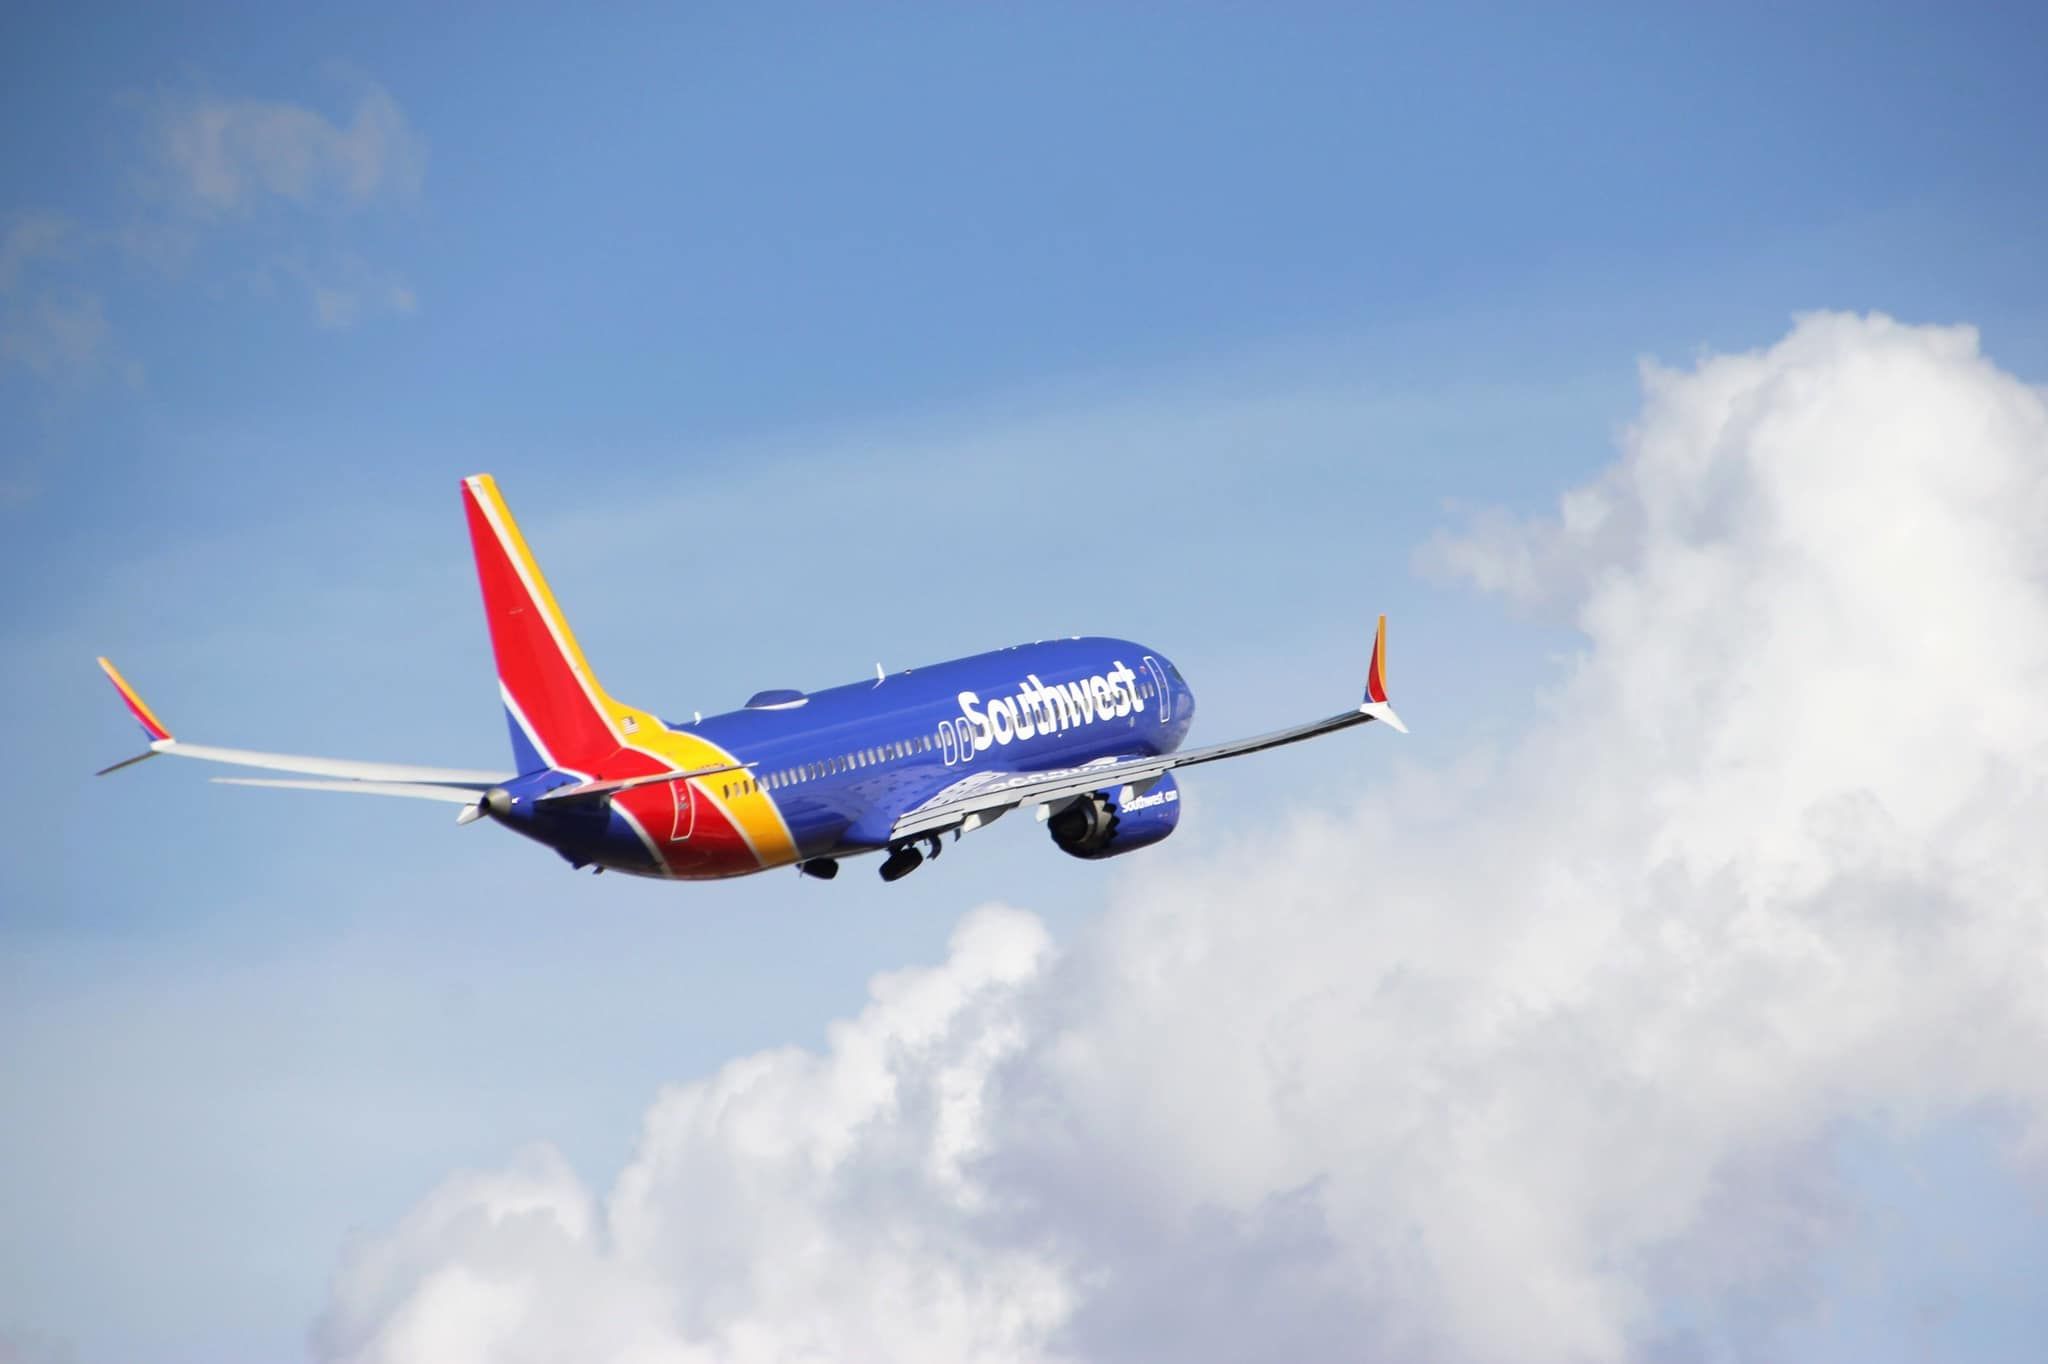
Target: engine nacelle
{"x": 1104, "y": 824}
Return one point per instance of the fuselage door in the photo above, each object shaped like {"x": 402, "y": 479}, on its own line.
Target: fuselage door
{"x": 1159, "y": 688}
{"x": 686, "y": 811}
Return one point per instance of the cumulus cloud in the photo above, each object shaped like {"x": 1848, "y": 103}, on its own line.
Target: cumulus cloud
{"x": 1504, "y": 1062}
{"x": 228, "y": 154}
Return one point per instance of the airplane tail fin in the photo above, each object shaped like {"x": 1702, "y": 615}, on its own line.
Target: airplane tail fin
{"x": 558, "y": 714}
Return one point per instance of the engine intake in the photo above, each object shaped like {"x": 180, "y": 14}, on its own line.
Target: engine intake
{"x": 1104, "y": 824}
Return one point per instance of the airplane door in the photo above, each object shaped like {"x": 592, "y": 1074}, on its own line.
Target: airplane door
{"x": 686, "y": 811}
{"x": 1159, "y": 688}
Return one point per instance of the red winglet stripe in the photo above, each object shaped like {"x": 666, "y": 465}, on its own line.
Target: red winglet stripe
{"x": 1376, "y": 676}
{"x": 136, "y": 706}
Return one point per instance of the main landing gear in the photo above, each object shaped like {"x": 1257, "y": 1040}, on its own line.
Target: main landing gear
{"x": 905, "y": 858}
{"x": 824, "y": 868}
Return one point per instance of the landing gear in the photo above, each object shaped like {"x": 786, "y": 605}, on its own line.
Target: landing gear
{"x": 824, "y": 868}
{"x": 933, "y": 847}
{"x": 901, "y": 863}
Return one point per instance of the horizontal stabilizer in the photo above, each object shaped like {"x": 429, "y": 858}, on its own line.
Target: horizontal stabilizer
{"x": 590, "y": 790}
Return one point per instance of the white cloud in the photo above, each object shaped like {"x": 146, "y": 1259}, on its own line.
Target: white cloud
{"x": 57, "y": 336}
{"x": 342, "y": 290}
{"x": 229, "y": 153}
{"x": 830, "y": 1201}
{"x": 1497, "y": 1064}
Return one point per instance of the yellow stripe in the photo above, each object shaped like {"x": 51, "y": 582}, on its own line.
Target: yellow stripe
{"x": 754, "y": 815}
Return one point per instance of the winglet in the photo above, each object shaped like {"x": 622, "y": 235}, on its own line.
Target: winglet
{"x": 1376, "y": 675}
{"x": 137, "y": 707}
{"x": 1376, "y": 683}
{"x": 159, "y": 737}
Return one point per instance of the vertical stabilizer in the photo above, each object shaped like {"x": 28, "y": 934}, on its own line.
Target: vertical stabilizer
{"x": 559, "y": 716}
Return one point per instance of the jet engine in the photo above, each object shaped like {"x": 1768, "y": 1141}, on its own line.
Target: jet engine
{"x": 1107, "y": 824}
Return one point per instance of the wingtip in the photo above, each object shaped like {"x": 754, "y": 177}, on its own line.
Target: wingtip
{"x": 1384, "y": 713}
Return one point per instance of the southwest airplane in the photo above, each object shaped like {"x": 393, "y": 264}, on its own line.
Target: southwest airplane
{"x": 1087, "y": 731}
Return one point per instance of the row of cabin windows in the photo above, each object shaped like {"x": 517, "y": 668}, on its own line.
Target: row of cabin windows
{"x": 845, "y": 762}
{"x": 859, "y": 758}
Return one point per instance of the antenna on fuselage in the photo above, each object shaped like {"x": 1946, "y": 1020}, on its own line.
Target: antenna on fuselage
{"x": 880, "y": 676}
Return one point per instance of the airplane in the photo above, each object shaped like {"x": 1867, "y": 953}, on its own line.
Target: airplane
{"x": 1086, "y": 731}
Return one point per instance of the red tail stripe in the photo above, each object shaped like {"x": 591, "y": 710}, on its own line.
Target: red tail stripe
{"x": 531, "y": 665}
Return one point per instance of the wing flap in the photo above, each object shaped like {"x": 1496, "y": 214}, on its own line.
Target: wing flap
{"x": 992, "y": 791}
{"x": 454, "y": 795}
{"x": 346, "y": 768}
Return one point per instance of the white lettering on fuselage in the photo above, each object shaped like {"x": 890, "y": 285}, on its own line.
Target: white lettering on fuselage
{"x": 1041, "y": 709}
{"x": 1147, "y": 802}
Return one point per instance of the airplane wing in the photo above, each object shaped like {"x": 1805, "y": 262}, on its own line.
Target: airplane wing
{"x": 343, "y": 774}
{"x": 974, "y": 801}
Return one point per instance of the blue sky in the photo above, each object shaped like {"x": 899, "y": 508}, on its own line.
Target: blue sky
{"x": 798, "y": 339}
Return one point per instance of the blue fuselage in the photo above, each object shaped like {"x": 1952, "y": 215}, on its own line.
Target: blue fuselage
{"x": 857, "y": 756}
{"x": 840, "y": 766}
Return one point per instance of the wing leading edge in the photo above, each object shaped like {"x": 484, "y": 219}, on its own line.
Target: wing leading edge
{"x": 975, "y": 800}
